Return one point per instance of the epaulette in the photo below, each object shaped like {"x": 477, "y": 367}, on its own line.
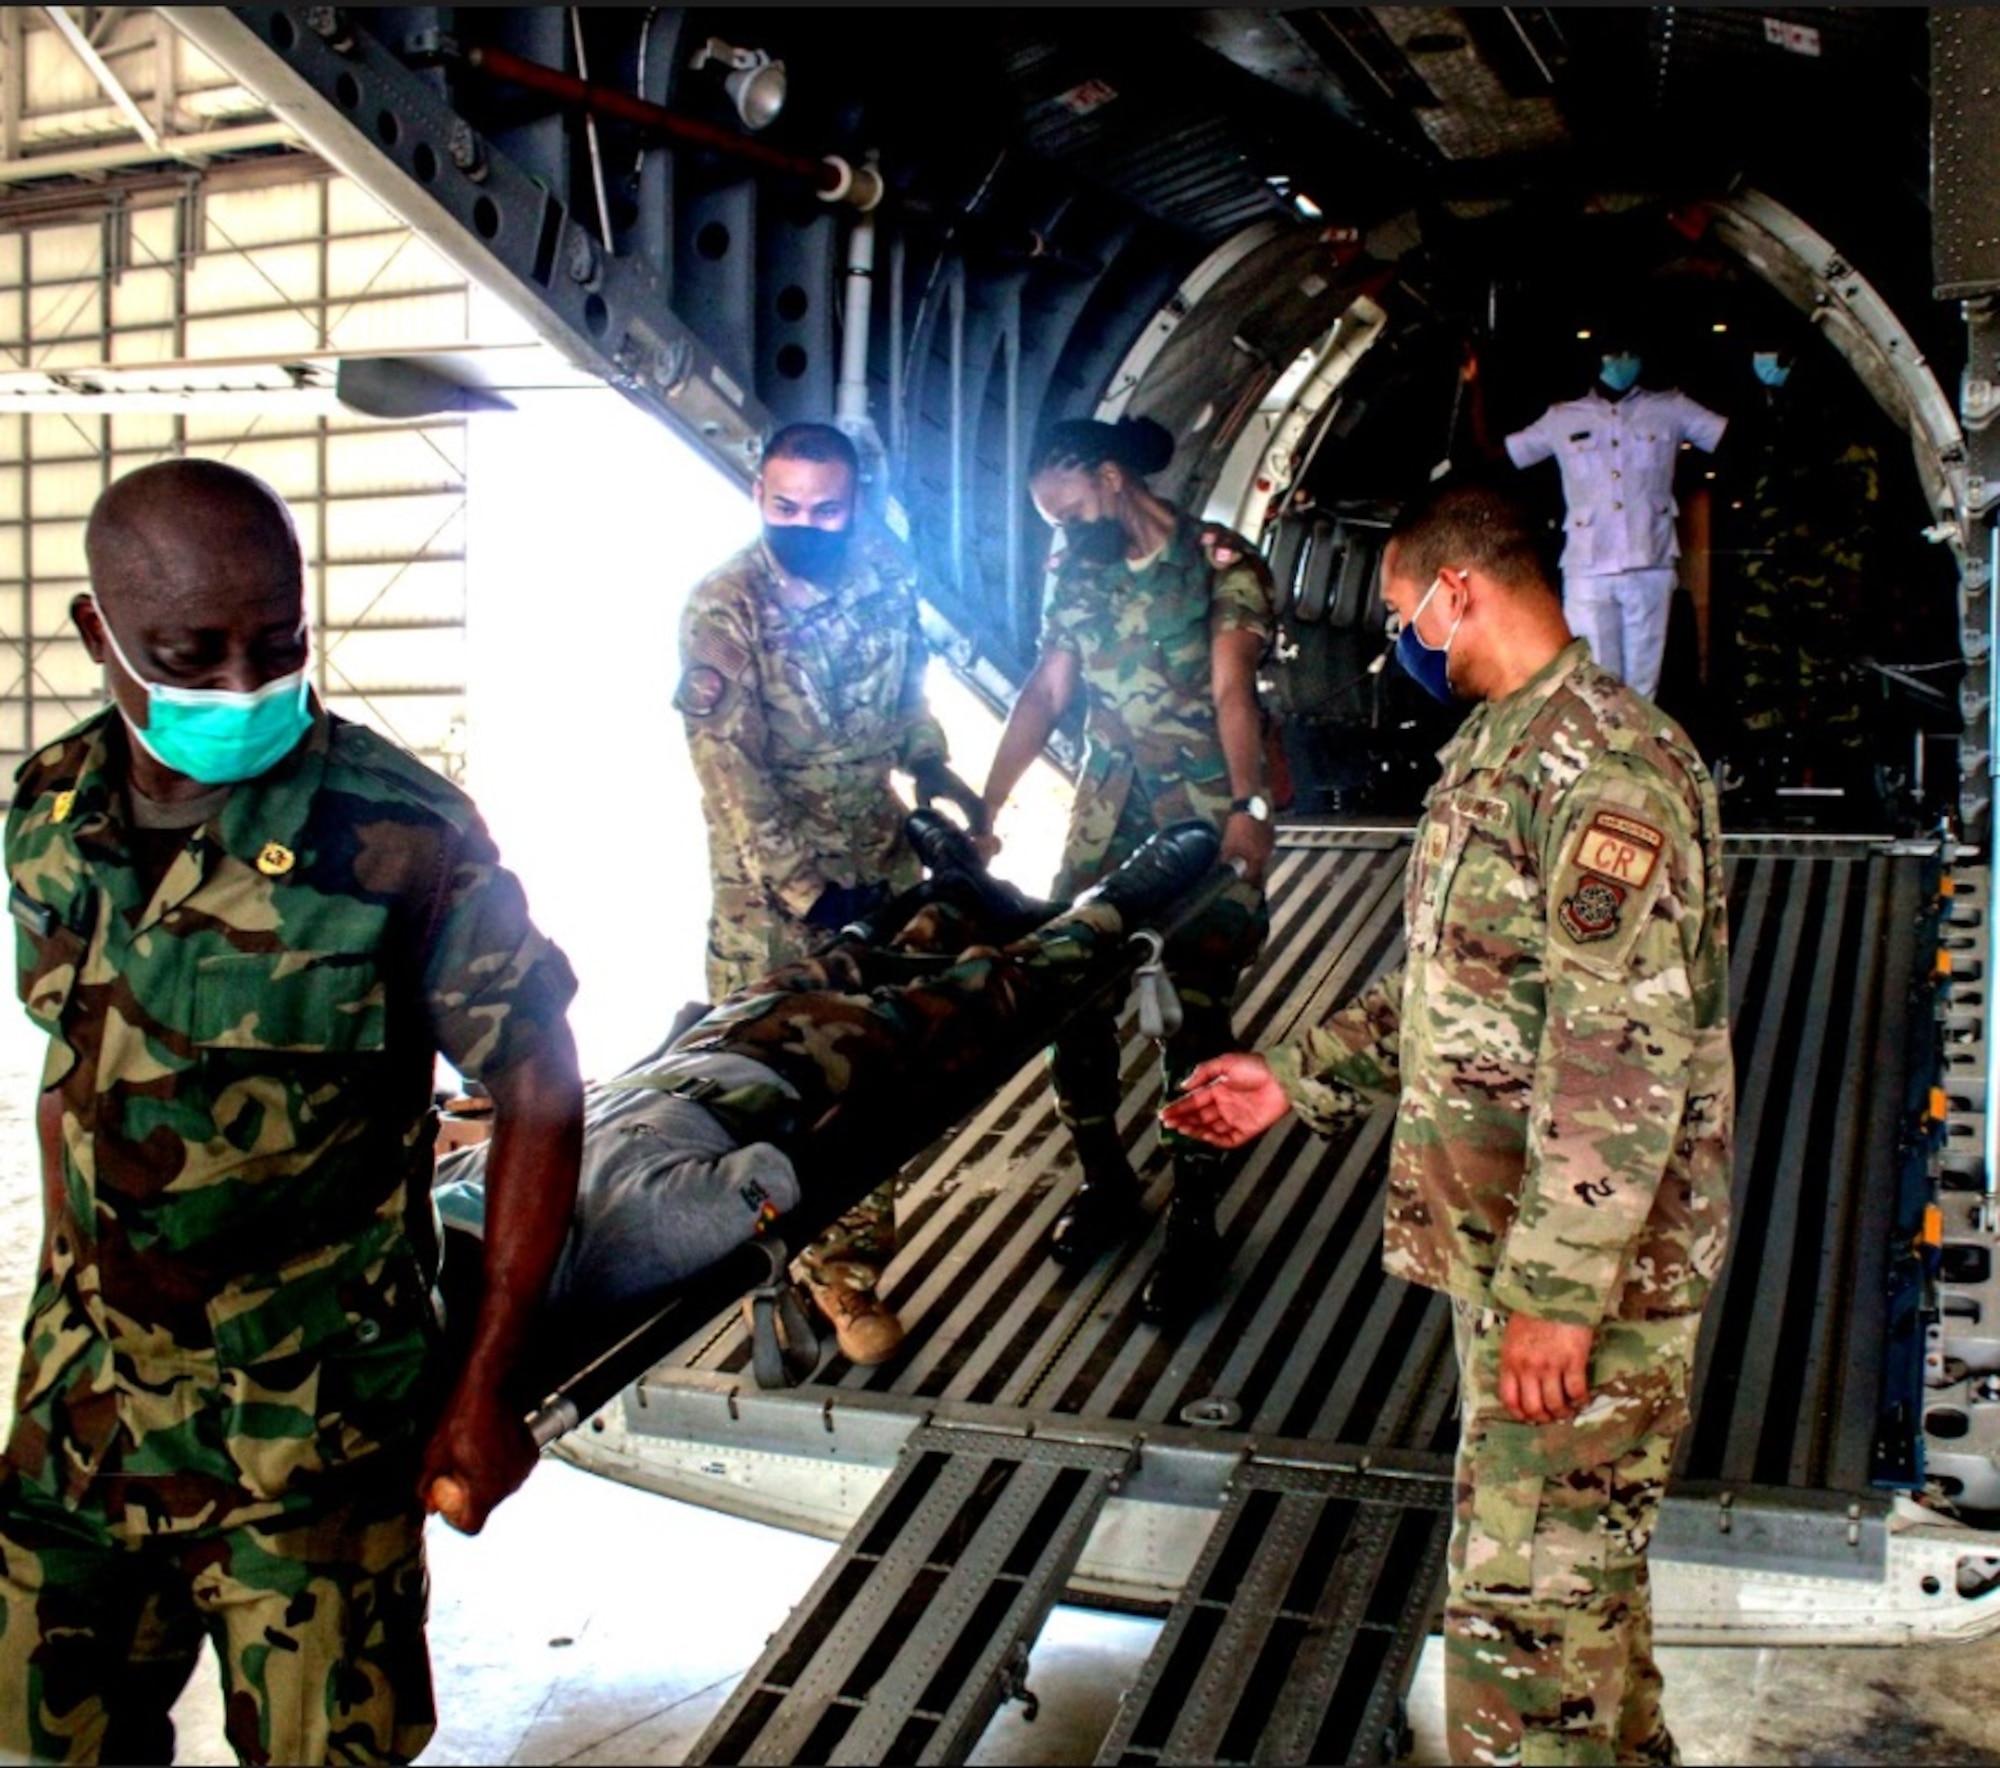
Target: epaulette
{"x": 355, "y": 748}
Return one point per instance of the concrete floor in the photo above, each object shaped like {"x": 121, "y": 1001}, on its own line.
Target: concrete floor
{"x": 596, "y": 1624}
{"x": 593, "y": 1624}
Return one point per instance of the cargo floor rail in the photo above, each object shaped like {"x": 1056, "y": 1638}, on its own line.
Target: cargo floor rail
{"x": 1297, "y": 1636}
{"x": 920, "y": 1626}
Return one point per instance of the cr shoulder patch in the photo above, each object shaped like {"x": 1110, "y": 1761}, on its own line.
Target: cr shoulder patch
{"x": 701, "y": 691}
{"x": 1619, "y": 847}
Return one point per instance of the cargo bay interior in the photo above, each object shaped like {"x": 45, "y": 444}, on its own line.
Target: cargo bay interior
{"x": 1330, "y": 248}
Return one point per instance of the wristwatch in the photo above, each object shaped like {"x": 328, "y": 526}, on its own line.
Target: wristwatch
{"x": 1257, "y": 806}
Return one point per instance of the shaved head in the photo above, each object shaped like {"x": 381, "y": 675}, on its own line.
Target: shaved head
{"x": 154, "y": 534}
{"x": 195, "y": 582}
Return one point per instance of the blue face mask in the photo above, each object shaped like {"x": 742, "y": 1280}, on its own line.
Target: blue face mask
{"x": 1428, "y": 665}
{"x": 215, "y": 735}
{"x": 1770, "y": 368}
{"x": 1620, "y": 372}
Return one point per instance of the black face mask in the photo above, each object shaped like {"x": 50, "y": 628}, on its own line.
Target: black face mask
{"x": 816, "y": 554}
{"x": 1101, "y": 542}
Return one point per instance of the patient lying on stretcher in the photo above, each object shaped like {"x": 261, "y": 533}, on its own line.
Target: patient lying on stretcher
{"x": 696, "y": 1150}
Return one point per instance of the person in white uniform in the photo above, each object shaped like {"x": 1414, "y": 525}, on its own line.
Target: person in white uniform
{"x": 1616, "y": 448}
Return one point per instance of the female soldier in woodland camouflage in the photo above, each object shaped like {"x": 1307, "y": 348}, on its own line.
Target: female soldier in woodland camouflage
{"x": 1160, "y": 619}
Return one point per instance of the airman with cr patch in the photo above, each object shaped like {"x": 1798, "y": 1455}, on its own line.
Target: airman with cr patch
{"x": 1557, "y": 1044}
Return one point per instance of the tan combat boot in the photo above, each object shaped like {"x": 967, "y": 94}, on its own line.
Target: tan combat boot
{"x": 865, "y": 1328}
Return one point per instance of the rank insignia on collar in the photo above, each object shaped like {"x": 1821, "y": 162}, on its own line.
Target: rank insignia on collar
{"x": 64, "y": 804}
{"x": 276, "y": 860}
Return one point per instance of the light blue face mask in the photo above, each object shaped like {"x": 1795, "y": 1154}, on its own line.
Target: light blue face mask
{"x": 1770, "y": 368}
{"x": 1620, "y": 372}
{"x": 215, "y": 735}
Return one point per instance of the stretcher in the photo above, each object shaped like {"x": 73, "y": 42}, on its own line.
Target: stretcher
{"x": 879, "y": 1125}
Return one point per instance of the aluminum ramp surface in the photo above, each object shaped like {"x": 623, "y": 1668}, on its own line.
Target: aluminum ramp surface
{"x": 920, "y": 1625}
{"x": 1300, "y": 1628}
{"x": 1307, "y": 1340}
{"x": 1310, "y": 1361}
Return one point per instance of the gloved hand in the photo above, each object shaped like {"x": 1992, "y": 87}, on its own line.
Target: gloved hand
{"x": 839, "y": 904}
{"x": 934, "y": 779}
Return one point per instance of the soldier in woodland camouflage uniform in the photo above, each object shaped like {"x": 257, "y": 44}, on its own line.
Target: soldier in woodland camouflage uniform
{"x": 1161, "y": 621}
{"x": 1800, "y": 529}
{"x": 802, "y": 686}
{"x": 248, "y": 928}
{"x": 1558, "y": 1044}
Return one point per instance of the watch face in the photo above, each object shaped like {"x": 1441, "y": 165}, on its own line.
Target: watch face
{"x": 1259, "y": 808}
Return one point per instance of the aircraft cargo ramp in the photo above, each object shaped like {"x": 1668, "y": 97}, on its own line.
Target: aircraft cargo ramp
{"x": 1274, "y": 1477}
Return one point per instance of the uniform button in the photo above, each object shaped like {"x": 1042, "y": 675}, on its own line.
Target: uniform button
{"x": 1618, "y": 506}
{"x": 367, "y": 1331}
{"x": 1616, "y": 474}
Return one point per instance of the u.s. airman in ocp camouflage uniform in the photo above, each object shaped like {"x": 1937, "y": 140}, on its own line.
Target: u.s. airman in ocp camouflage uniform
{"x": 1558, "y": 1045}
{"x": 232, "y": 1388}
{"x": 802, "y": 687}
{"x": 799, "y": 700}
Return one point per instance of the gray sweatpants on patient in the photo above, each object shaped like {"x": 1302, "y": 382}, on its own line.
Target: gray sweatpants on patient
{"x": 665, "y": 1190}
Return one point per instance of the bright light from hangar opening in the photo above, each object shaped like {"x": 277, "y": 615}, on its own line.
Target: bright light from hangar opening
{"x": 587, "y": 524}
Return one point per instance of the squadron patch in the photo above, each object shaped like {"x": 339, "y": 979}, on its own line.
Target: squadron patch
{"x": 701, "y": 691}
{"x": 1619, "y": 848}
{"x": 1592, "y": 911}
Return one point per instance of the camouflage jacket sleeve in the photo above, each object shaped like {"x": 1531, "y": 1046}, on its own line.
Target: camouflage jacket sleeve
{"x": 721, "y": 698}
{"x": 1069, "y": 612}
{"x": 1244, "y": 596}
{"x": 494, "y": 984}
{"x": 1344, "y": 1066}
{"x": 1623, "y": 873}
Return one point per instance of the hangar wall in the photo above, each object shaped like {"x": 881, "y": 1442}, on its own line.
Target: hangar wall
{"x": 188, "y": 303}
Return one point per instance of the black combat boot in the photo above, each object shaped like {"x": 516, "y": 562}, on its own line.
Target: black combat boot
{"x": 1169, "y": 865}
{"x": 1105, "y": 1208}
{"x": 958, "y": 874}
{"x": 940, "y": 844}
{"x": 1190, "y": 1264}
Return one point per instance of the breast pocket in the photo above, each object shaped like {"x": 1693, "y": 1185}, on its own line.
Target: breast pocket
{"x": 1436, "y": 860}
{"x": 1468, "y": 899}
{"x": 301, "y": 1003}
{"x": 50, "y": 965}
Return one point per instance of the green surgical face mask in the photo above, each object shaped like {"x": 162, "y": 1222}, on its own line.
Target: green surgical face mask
{"x": 216, "y": 735}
